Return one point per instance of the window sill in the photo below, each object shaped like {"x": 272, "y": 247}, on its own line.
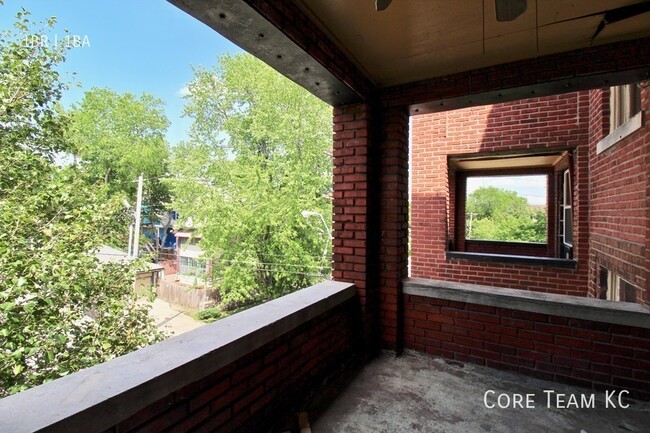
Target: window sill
{"x": 626, "y": 129}
{"x": 512, "y": 259}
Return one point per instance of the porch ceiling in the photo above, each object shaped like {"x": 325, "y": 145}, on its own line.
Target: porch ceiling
{"x": 412, "y": 40}
{"x": 342, "y": 50}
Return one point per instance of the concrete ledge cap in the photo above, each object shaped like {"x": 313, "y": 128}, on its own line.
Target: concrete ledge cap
{"x": 99, "y": 397}
{"x": 597, "y": 310}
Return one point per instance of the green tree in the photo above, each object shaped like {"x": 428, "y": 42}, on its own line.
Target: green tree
{"x": 117, "y": 137}
{"x": 258, "y": 156}
{"x": 60, "y": 310}
{"x": 498, "y": 214}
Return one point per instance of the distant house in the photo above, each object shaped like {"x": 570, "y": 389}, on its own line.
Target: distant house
{"x": 144, "y": 279}
{"x": 160, "y": 231}
{"x": 192, "y": 267}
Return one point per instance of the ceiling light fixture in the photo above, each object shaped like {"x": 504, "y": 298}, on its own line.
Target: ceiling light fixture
{"x": 380, "y": 5}
{"x": 509, "y": 10}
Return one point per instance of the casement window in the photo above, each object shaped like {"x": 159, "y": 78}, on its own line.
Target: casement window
{"x": 624, "y": 103}
{"x": 565, "y": 216}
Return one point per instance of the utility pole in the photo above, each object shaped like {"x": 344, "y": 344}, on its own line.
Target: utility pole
{"x": 129, "y": 251}
{"x": 138, "y": 212}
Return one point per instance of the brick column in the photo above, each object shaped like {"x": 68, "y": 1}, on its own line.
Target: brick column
{"x": 393, "y": 223}
{"x": 354, "y": 219}
{"x": 371, "y": 213}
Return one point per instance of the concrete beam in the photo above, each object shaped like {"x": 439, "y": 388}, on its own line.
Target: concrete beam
{"x": 263, "y": 30}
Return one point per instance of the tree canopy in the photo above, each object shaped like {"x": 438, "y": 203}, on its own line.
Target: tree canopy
{"x": 259, "y": 155}
{"x": 118, "y": 136}
{"x": 497, "y": 214}
{"x": 60, "y": 309}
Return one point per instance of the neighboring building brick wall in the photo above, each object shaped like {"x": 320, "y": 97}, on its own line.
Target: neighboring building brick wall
{"x": 262, "y": 387}
{"x": 580, "y": 352}
{"x": 620, "y": 199}
{"x": 550, "y": 122}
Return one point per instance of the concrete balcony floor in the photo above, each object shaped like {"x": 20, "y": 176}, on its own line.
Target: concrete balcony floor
{"x": 419, "y": 393}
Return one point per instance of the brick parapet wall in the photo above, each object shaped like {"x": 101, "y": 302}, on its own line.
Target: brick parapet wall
{"x": 559, "y": 121}
{"x": 263, "y": 387}
{"x": 579, "y": 352}
{"x": 620, "y": 199}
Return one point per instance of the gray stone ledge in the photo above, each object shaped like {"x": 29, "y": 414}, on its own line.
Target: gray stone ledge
{"x": 94, "y": 399}
{"x": 598, "y": 310}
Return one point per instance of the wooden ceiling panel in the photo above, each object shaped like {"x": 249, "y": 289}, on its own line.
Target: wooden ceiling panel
{"x": 553, "y": 11}
{"x": 418, "y": 39}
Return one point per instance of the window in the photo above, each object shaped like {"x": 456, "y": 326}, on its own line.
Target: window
{"x": 191, "y": 266}
{"x": 506, "y": 208}
{"x": 624, "y": 115}
{"x": 617, "y": 289}
{"x": 567, "y": 216}
{"x": 624, "y": 102}
{"x": 511, "y": 204}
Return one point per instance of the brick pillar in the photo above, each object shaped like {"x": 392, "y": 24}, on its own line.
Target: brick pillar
{"x": 354, "y": 219}
{"x": 393, "y": 223}
{"x": 371, "y": 213}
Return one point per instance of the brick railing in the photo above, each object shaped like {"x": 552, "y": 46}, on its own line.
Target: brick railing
{"x": 582, "y": 341}
{"x": 243, "y": 372}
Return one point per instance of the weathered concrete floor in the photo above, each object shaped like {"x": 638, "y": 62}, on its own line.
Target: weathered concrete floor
{"x": 418, "y": 393}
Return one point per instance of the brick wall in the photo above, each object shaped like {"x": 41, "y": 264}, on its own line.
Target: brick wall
{"x": 263, "y": 387}
{"x": 580, "y": 352}
{"x": 620, "y": 199}
{"x": 370, "y": 212}
{"x": 540, "y": 123}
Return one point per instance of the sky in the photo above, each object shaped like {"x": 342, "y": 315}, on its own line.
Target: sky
{"x": 531, "y": 187}
{"x": 129, "y": 46}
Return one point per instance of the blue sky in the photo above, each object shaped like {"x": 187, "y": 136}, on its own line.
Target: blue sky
{"x": 135, "y": 46}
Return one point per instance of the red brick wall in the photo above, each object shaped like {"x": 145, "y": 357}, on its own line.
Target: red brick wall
{"x": 579, "y": 352}
{"x": 539, "y": 123}
{"x": 261, "y": 388}
{"x": 620, "y": 199}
